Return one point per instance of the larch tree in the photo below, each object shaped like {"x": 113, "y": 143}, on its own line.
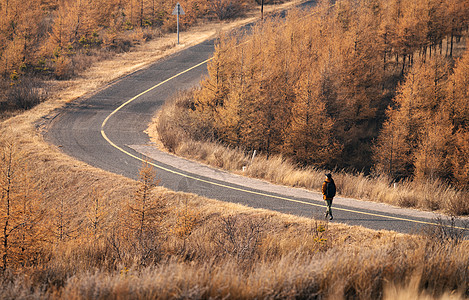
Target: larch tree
{"x": 18, "y": 34}
{"x": 231, "y": 109}
{"x": 393, "y": 152}
{"x": 432, "y": 156}
{"x": 21, "y": 211}
{"x": 436, "y": 25}
{"x": 411, "y": 31}
{"x": 357, "y": 76}
{"x": 458, "y": 107}
{"x": 62, "y": 35}
{"x": 61, "y": 221}
{"x": 420, "y": 99}
{"x": 460, "y": 158}
{"x": 144, "y": 217}
{"x": 275, "y": 96}
{"x": 457, "y": 12}
{"x": 214, "y": 88}
{"x": 309, "y": 139}
{"x": 97, "y": 214}
{"x": 457, "y": 93}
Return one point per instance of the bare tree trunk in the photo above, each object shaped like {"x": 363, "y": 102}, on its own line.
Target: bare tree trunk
{"x": 131, "y": 11}
{"x": 385, "y": 52}
{"x": 141, "y": 13}
{"x": 403, "y": 65}
{"x": 262, "y": 10}
{"x": 7, "y": 212}
{"x": 452, "y": 42}
{"x": 390, "y": 160}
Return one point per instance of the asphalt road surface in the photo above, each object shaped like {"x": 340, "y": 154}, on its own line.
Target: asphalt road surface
{"x": 103, "y": 129}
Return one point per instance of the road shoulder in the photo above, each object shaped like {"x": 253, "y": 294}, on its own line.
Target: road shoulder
{"x": 198, "y": 169}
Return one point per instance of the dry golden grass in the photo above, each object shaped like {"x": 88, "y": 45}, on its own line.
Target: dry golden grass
{"x": 292, "y": 256}
{"x": 290, "y": 264}
{"x": 176, "y": 129}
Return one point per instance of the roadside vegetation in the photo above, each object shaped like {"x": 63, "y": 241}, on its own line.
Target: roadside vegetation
{"x": 379, "y": 87}
{"x": 72, "y": 231}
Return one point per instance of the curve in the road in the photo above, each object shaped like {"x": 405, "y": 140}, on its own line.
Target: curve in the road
{"x": 208, "y": 181}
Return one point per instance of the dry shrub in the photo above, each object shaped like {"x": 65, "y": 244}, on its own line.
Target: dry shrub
{"x": 411, "y": 290}
{"x": 64, "y": 68}
{"x": 227, "y": 9}
{"x": 456, "y": 202}
{"x": 239, "y": 236}
{"x": 116, "y": 42}
{"x": 170, "y": 135}
{"x": 27, "y": 92}
{"x": 176, "y": 122}
{"x": 407, "y": 201}
{"x": 213, "y": 154}
{"x": 280, "y": 170}
{"x": 195, "y": 150}
{"x": 446, "y": 232}
{"x": 83, "y": 60}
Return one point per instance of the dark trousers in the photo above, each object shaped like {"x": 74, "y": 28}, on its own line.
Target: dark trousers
{"x": 329, "y": 206}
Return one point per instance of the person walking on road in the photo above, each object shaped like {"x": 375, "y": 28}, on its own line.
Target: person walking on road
{"x": 328, "y": 191}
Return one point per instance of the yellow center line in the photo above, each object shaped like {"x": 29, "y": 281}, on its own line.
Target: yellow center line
{"x": 223, "y": 185}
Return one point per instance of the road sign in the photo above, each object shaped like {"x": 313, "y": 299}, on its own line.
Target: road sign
{"x": 178, "y": 10}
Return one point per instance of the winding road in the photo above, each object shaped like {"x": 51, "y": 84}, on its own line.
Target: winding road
{"x": 106, "y": 130}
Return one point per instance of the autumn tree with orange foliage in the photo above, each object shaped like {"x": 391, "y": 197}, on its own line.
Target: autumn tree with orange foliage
{"x": 19, "y": 34}
{"x": 96, "y": 215}
{"x": 458, "y": 109}
{"x": 145, "y": 212}
{"x": 142, "y": 218}
{"x": 415, "y": 106}
{"x": 22, "y": 214}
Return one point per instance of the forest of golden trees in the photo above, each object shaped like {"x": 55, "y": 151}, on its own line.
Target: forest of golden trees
{"x": 56, "y": 38}
{"x": 369, "y": 85}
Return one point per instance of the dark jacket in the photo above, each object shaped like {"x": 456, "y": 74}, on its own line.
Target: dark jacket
{"x": 324, "y": 186}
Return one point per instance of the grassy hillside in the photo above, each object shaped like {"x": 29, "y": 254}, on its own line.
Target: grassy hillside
{"x": 87, "y": 241}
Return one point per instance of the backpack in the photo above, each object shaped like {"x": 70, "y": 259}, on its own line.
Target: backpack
{"x": 330, "y": 189}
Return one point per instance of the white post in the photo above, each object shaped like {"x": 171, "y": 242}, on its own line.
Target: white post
{"x": 178, "y": 11}
{"x": 253, "y": 155}
{"x": 178, "y": 22}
